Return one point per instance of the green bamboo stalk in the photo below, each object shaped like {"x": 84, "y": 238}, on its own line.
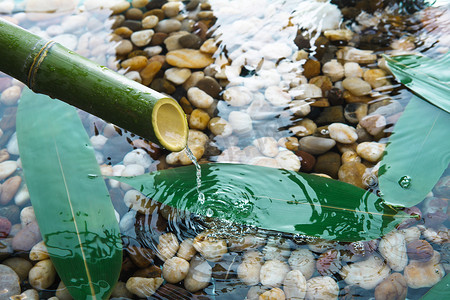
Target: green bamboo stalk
{"x": 51, "y": 69}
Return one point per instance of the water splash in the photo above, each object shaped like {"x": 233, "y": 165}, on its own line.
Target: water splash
{"x": 201, "y": 196}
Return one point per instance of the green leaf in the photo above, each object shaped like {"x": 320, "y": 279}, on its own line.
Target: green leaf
{"x": 72, "y": 205}
{"x": 428, "y": 78}
{"x": 272, "y": 199}
{"x": 439, "y": 291}
{"x": 417, "y": 154}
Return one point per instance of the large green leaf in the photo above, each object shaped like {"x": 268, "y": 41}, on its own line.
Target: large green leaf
{"x": 72, "y": 205}
{"x": 439, "y": 291}
{"x": 428, "y": 78}
{"x": 417, "y": 154}
{"x": 272, "y": 199}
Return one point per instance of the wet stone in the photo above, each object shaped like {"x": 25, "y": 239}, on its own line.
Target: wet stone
{"x": 168, "y": 26}
{"x": 419, "y": 250}
{"x": 210, "y": 86}
{"x": 5, "y": 227}
{"x": 188, "y": 58}
{"x": 316, "y": 145}
{"x": 11, "y": 212}
{"x": 307, "y": 161}
{"x": 27, "y": 237}
{"x": 311, "y": 68}
{"x": 352, "y": 173}
{"x": 191, "y": 40}
{"x": 328, "y": 163}
{"x": 9, "y": 281}
{"x": 393, "y": 287}
{"x": 355, "y": 112}
{"x": 158, "y": 38}
{"x": 133, "y": 25}
{"x": 332, "y": 114}
{"x": 141, "y": 257}
{"x": 134, "y": 14}
{"x": 135, "y": 64}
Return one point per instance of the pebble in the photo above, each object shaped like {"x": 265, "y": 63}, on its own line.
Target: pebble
{"x": 177, "y": 75}
{"x": 135, "y": 200}
{"x": 306, "y": 91}
{"x": 11, "y": 95}
{"x": 307, "y": 160}
{"x": 139, "y": 3}
{"x": 376, "y": 78}
{"x": 142, "y": 38}
{"x": 188, "y": 58}
{"x": 198, "y": 119}
{"x": 249, "y": 270}
{"x": 123, "y": 47}
{"x": 134, "y": 14}
{"x": 294, "y": 285}
{"x": 123, "y": 32}
{"x": 74, "y": 23}
{"x": 20, "y": 265}
{"x": 199, "y": 98}
{"x": 273, "y": 272}
{"x": 139, "y": 157}
{"x": 352, "y": 69}
{"x": 393, "y": 287}
{"x": 212, "y": 249}
{"x": 42, "y": 274}
{"x": 191, "y": 40}
{"x": 143, "y": 287}
{"x": 119, "y": 291}
{"x": 237, "y": 96}
{"x": 339, "y": 35}
{"x": 316, "y": 145}
{"x": 131, "y": 170}
{"x": 171, "y": 9}
{"x": 276, "y": 96}
{"x": 209, "y": 46}
{"x": 334, "y": 70}
{"x": 150, "y": 71}
{"x": 187, "y": 250}
{"x": 27, "y": 237}
{"x": 419, "y": 274}
{"x": 5, "y": 227}
{"x": 30, "y": 294}
{"x": 303, "y": 260}
{"x": 419, "y": 250}
{"x": 352, "y": 172}
{"x": 332, "y": 114}
{"x": 355, "y": 112}
{"x": 322, "y": 287}
{"x": 210, "y": 86}
{"x": 288, "y": 160}
{"x": 149, "y": 22}
{"x": 268, "y": 146}
{"x": 263, "y": 161}
{"x": 22, "y": 196}
{"x": 167, "y": 247}
{"x": 9, "y": 281}
{"x": 199, "y": 275}
{"x": 39, "y": 252}
{"x": 393, "y": 248}
{"x": 274, "y": 293}
{"x": 350, "y": 54}
{"x": 371, "y": 151}
{"x": 98, "y": 141}
{"x": 27, "y": 216}
{"x": 134, "y": 75}
{"x": 342, "y": 133}
{"x": 311, "y": 68}
{"x": 119, "y": 7}
{"x": 304, "y": 127}
{"x": 240, "y": 122}
{"x": 175, "y": 269}
{"x": 374, "y": 124}
{"x": 357, "y": 86}
{"x": 7, "y": 168}
{"x": 220, "y": 127}
{"x": 328, "y": 163}
{"x": 135, "y": 63}
{"x": 9, "y": 189}
{"x": 367, "y": 273}
{"x": 168, "y": 26}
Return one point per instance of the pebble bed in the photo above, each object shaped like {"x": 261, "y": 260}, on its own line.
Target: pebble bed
{"x": 257, "y": 90}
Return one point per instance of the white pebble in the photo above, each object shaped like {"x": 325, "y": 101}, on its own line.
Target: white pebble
{"x": 288, "y": 160}
{"x": 357, "y": 86}
{"x": 273, "y": 272}
{"x": 98, "y": 141}
{"x": 276, "y": 96}
{"x": 22, "y": 196}
{"x": 149, "y": 22}
{"x": 13, "y": 145}
{"x": 153, "y": 50}
{"x": 322, "y": 287}
{"x": 334, "y": 70}
{"x": 303, "y": 260}
{"x": 240, "y": 122}
{"x": 131, "y": 170}
{"x": 138, "y": 156}
{"x": 134, "y": 75}
{"x": 393, "y": 248}
{"x": 306, "y": 91}
{"x": 199, "y": 275}
{"x": 175, "y": 269}
{"x": 237, "y": 96}
{"x": 27, "y": 216}
{"x": 268, "y": 146}
{"x": 342, "y": 133}
{"x": 199, "y": 98}
{"x": 367, "y": 273}
{"x": 352, "y": 69}
{"x": 177, "y": 75}
{"x": 294, "y": 285}
{"x": 167, "y": 247}
{"x": 142, "y": 38}
{"x": 371, "y": 151}
{"x": 300, "y": 108}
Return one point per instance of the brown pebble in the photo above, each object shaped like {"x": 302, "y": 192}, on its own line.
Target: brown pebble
{"x": 148, "y": 272}
{"x": 186, "y": 106}
{"x": 328, "y": 163}
{"x": 320, "y": 102}
{"x": 27, "y": 237}
{"x": 134, "y": 25}
{"x": 124, "y": 47}
{"x": 311, "y": 68}
{"x": 134, "y": 14}
{"x": 323, "y": 82}
{"x": 134, "y": 64}
{"x": 162, "y": 85}
{"x": 9, "y": 189}
{"x": 328, "y": 263}
{"x": 392, "y": 288}
{"x": 191, "y": 40}
{"x": 350, "y": 98}
{"x": 150, "y": 71}
{"x": 352, "y": 173}
{"x": 155, "y": 12}
{"x": 201, "y": 29}
{"x": 307, "y": 161}
{"x": 8, "y": 120}
{"x": 210, "y": 86}
{"x": 158, "y": 38}
{"x": 419, "y": 250}
{"x": 141, "y": 257}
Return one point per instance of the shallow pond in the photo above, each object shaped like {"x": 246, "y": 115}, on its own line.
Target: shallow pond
{"x": 294, "y": 85}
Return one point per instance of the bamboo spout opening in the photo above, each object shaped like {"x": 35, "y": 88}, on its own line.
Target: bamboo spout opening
{"x": 170, "y": 124}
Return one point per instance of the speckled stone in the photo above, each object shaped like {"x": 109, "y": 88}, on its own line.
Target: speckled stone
{"x": 9, "y": 282}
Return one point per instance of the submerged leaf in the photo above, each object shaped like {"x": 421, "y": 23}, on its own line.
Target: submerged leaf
{"x": 417, "y": 154}
{"x": 72, "y": 206}
{"x": 272, "y": 199}
{"x": 439, "y": 290}
{"x": 428, "y": 78}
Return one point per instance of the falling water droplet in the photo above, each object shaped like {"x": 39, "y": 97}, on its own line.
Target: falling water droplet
{"x": 405, "y": 182}
{"x": 209, "y": 212}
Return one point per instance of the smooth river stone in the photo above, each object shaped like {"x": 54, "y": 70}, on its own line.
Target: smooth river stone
{"x": 188, "y": 58}
{"x": 9, "y": 282}
{"x": 316, "y": 145}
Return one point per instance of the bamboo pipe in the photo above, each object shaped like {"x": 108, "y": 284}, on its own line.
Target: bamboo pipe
{"x": 51, "y": 69}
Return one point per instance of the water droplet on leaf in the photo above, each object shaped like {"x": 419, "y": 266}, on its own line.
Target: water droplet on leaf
{"x": 405, "y": 182}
